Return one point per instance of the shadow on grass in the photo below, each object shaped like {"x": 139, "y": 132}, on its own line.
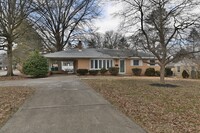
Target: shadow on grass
{"x": 164, "y": 85}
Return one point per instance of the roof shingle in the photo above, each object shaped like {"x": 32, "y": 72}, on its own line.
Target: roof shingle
{"x": 97, "y": 53}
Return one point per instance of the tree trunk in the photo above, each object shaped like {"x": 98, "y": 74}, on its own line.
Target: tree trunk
{"x": 162, "y": 74}
{"x": 59, "y": 48}
{"x": 10, "y": 60}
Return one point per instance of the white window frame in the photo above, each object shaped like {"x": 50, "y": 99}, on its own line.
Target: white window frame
{"x": 140, "y": 62}
{"x": 104, "y": 62}
{"x": 156, "y": 64}
{"x": 137, "y": 62}
{"x": 152, "y": 64}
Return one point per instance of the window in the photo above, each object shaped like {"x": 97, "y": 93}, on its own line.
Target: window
{"x": 152, "y": 62}
{"x": 98, "y": 64}
{"x": 108, "y": 63}
{"x": 136, "y": 62}
{"x": 67, "y": 64}
{"x": 64, "y": 63}
{"x": 92, "y": 64}
{"x": 104, "y": 63}
{"x": 178, "y": 69}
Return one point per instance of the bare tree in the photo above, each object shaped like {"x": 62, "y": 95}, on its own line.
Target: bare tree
{"x": 95, "y": 40}
{"x": 162, "y": 26}
{"x": 113, "y": 40}
{"x": 12, "y": 13}
{"x": 194, "y": 39}
{"x": 110, "y": 40}
{"x": 60, "y": 21}
{"x": 123, "y": 43}
{"x": 194, "y": 44}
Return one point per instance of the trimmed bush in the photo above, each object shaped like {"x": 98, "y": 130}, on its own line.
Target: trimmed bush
{"x": 157, "y": 73}
{"x": 150, "y": 72}
{"x": 36, "y": 65}
{"x": 82, "y": 71}
{"x": 114, "y": 71}
{"x": 137, "y": 71}
{"x": 168, "y": 72}
{"x": 103, "y": 71}
{"x": 185, "y": 74}
{"x": 93, "y": 72}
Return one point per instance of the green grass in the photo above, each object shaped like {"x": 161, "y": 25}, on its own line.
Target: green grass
{"x": 157, "y": 109}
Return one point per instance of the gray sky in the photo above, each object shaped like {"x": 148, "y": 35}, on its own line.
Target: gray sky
{"x": 108, "y": 21}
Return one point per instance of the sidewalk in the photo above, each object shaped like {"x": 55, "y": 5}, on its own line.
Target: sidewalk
{"x": 64, "y": 104}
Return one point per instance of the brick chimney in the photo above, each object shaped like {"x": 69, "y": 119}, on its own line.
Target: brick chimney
{"x": 80, "y": 45}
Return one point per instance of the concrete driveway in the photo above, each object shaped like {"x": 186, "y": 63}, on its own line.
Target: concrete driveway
{"x": 65, "y": 104}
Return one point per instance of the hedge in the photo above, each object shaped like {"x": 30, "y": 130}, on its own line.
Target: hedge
{"x": 103, "y": 71}
{"x": 82, "y": 71}
{"x": 137, "y": 71}
{"x": 114, "y": 71}
{"x": 93, "y": 72}
{"x": 150, "y": 72}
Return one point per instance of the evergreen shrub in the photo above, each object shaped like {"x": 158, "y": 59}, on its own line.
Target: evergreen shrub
{"x": 150, "y": 72}
{"x": 137, "y": 71}
{"x": 36, "y": 65}
{"x": 93, "y": 72}
{"x": 114, "y": 71}
{"x": 103, "y": 71}
{"x": 185, "y": 74}
{"x": 82, "y": 71}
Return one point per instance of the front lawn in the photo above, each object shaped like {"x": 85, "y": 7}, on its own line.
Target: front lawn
{"x": 11, "y": 98}
{"x": 172, "y": 109}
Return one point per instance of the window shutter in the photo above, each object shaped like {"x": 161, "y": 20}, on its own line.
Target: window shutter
{"x": 131, "y": 63}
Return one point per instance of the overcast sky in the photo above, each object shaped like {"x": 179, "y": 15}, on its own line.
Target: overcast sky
{"x": 108, "y": 22}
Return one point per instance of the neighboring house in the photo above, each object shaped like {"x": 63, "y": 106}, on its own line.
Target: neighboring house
{"x": 184, "y": 64}
{"x": 95, "y": 59}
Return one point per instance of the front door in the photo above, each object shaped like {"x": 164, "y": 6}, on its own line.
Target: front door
{"x": 122, "y": 66}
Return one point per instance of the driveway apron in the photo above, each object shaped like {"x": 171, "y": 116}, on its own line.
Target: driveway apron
{"x": 64, "y": 104}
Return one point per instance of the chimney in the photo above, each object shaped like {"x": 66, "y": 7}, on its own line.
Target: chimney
{"x": 80, "y": 45}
